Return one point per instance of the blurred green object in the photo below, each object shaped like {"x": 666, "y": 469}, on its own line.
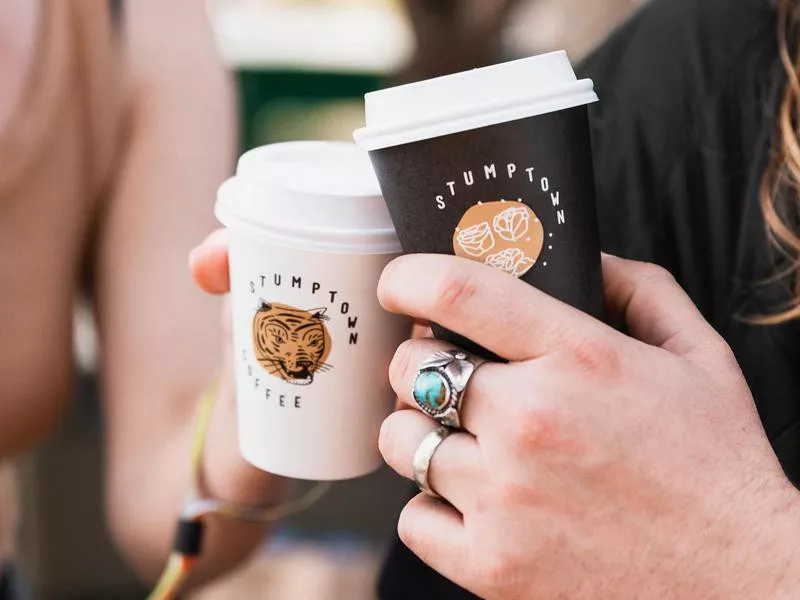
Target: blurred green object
{"x": 281, "y": 105}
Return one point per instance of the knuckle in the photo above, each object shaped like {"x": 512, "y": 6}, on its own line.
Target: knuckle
{"x": 596, "y": 357}
{"x": 385, "y": 290}
{"x": 497, "y": 571}
{"x": 455, "y": 289}
{"x": 387, "y": 440}
{"x": 514, "y": 493}
{"x": 718, "y": 352}
{"x": 650, "y": 302}
{"x": 534, "y": 427}
{"x": 720, "y": 348}
{"x": 483, "y": 504}
{"x": 407, "y": 532}
{"x": 653, "y": 273}
{"x": 400, "y": 365}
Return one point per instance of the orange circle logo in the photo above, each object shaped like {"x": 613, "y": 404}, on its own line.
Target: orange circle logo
{"x": 290, "y": 343}
{"x": 505, "y": 235}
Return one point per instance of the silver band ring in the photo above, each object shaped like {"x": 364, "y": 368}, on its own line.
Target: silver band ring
{"x": 423, "y": 456}
{"x": 440, "y": 383}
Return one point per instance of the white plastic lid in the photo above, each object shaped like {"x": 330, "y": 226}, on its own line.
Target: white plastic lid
{"x": 318, "y": 196}
{"x": 471, "y": 99}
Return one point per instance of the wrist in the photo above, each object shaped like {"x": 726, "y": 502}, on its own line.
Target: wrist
{"x": 785, "y": 523}
{"x": 769, "y": 553}
{"x": 225, "y": 474}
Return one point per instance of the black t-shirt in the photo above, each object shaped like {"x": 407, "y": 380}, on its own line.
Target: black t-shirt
{"x": 682, "y": 135}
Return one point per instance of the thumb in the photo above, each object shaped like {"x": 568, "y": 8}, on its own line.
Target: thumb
{"x": 653, "y": 306}
{"x": 208, "y": 263}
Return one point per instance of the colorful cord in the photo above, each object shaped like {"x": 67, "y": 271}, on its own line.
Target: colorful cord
{"x": 176, "y": 572}
{"x": 186, "y": 549}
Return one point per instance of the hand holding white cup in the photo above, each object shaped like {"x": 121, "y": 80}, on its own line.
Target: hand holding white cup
{"x": 309, "y": 234}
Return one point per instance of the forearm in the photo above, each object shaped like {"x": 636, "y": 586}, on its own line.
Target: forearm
{"x": 148, "y": 490}
{"x": 162, "y": 339}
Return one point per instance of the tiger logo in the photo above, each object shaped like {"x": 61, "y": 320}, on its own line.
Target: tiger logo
{"x": 291, "y": 343}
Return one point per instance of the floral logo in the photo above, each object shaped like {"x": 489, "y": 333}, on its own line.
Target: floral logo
{"x": 505, "y": 235}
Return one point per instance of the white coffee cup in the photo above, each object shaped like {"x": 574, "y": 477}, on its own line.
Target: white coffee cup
{"x": 309, "y": 237}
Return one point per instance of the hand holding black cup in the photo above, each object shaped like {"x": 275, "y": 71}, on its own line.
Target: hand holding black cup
{"x": 494, "y": 165}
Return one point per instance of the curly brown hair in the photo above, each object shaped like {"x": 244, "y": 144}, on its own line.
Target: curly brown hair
{"x": 780, "y": 188}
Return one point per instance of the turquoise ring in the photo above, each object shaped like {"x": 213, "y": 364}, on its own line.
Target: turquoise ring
{"x": 440, "y": 383}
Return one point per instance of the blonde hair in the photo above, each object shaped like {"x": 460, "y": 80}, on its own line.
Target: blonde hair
{"x": 780, "y": 188}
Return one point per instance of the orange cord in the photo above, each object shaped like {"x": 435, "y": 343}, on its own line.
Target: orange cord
{"x": 177, "y": 571}
{"x": 197, "y": 508}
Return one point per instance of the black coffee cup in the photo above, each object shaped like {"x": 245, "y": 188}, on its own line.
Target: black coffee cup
{"x": 494, "y": 165}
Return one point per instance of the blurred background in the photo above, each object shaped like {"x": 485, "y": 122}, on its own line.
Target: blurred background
{"x": 302, "y": 67}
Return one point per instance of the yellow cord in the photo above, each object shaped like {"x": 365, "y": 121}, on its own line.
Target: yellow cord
{"x": 172, "y": 578}
{"x": 202, "y": 419}
{"x": 179, "y": 566}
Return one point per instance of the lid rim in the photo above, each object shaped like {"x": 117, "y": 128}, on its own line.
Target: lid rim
{"x": 269, "y": 164}
{"x": 553, "y": 55}
{"x": 578, "y": 93}
{"x": 314, "y": 239}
